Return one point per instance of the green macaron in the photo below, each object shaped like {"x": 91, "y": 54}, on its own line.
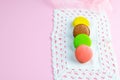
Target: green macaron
{"x": 82, "y": 39}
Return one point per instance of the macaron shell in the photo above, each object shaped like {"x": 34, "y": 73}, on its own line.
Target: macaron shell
{"x": 83, "y": 53}
{"x": 82, "y": 39}
{"x": 80, "y": 20}
{"x": 81, "y": 29}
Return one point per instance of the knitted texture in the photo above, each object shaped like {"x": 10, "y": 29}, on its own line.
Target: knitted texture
{"x": 102, "y": 66}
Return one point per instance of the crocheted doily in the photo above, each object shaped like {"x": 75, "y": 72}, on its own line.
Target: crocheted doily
{"x": 65, "y": 66}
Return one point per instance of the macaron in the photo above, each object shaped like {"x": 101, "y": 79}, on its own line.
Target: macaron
{"x": 82, "y": 39}
{"x": 81, "y": 29}
{"x": 80, "y": 20}
{"x": 83, "y": 53}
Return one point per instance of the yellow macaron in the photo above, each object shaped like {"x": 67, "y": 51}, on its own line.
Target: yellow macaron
{"x": 80, "y": 20}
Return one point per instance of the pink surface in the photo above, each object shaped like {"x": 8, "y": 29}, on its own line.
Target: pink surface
{"x": 25, "y": 45}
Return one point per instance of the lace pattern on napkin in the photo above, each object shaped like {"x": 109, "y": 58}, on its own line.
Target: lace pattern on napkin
{"x": 65, "y": 66}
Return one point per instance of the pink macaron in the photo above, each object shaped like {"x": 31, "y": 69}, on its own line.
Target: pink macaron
{"x": 83, "y": 53}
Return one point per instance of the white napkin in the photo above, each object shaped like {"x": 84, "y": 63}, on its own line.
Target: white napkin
{"x": 65, "y": 66}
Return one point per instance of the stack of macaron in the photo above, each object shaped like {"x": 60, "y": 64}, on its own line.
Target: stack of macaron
{"x": 82, "y": 41}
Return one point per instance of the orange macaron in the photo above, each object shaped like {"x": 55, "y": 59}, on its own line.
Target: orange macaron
{"x": 83, "y": 53}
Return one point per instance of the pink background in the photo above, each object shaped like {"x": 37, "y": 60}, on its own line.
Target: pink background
{"x": 25, "y": 45}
